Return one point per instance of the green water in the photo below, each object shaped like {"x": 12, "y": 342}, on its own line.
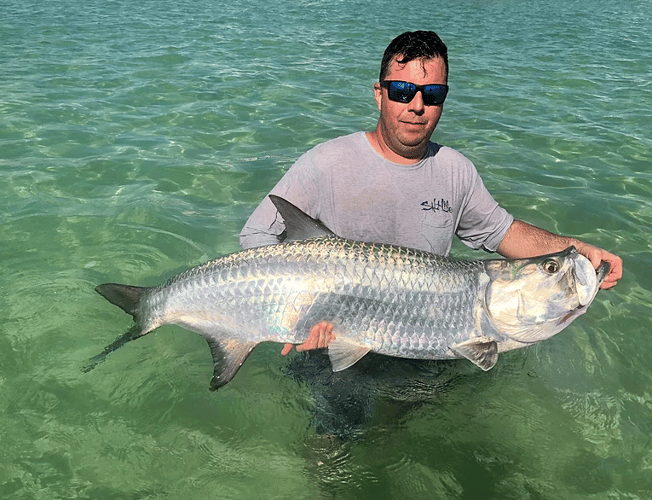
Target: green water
{"x": 137, "y": 137}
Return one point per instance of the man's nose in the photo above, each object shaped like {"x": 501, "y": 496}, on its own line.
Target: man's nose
{"x": 416, "y": 104}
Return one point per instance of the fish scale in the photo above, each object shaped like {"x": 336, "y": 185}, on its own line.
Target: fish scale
{"x": 387, "y": 299}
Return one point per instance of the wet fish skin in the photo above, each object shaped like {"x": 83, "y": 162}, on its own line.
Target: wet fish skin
{"x": 387, "y": 299}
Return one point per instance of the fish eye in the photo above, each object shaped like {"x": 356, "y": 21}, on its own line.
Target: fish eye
{"x": 550, "y": 266}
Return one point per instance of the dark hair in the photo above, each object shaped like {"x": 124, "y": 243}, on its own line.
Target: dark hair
{"x": 413, "y": 45}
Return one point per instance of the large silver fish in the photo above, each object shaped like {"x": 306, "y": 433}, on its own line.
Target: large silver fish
{"x": 382, "y": 298}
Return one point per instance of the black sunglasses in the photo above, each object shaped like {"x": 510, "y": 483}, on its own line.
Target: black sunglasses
{"x": 404, "y": 92}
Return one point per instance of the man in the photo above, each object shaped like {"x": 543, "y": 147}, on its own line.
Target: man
{"x": 393, "y": 185}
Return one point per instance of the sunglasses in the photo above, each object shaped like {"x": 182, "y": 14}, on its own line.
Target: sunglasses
{"x": 404, "y": 92}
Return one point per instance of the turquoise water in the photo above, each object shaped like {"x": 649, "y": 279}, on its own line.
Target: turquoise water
{"x": 136, "y": 138}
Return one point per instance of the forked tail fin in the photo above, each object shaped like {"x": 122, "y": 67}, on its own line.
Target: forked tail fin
{"x": 128, "y": 299}
{"x": 228, "y": 353}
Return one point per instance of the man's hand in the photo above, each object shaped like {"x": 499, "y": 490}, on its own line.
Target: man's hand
{"x": 597, "y": 255}
{"x": 320, "y": 336}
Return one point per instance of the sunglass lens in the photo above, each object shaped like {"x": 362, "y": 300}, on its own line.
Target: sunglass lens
{"x": 434, "y": 94}
{"x": 401, "y": 91}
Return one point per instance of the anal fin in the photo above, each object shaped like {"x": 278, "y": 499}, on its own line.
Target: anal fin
{"x": 344, "y": 353}
{"x": 228, "y": 357}
{"x": 482, "y": 352}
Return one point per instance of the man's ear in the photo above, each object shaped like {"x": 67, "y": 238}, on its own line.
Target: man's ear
{"x": 378, "y": 94}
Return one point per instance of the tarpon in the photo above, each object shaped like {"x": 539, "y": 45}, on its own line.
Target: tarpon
{"x": 383, "y": 298}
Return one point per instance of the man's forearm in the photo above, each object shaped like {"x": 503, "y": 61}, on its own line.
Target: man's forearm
{"x": 524, "y": 240}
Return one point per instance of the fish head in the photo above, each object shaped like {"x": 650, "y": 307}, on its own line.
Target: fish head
{"x": 529, "y": 300}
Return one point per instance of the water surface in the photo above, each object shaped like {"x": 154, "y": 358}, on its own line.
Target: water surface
{"x": 135, "y": 140}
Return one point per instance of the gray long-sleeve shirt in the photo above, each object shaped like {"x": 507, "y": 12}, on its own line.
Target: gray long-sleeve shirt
{"x": 360, "y": 195}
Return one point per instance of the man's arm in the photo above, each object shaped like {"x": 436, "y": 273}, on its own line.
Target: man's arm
{"x": 524, "y": 240}
{"x": 263, "y": 226}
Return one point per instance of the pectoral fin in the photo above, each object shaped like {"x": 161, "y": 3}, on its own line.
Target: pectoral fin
{"x": 228, "y": 356}
{"x": 482, "y": 352}
{"x": 345, "y": 353}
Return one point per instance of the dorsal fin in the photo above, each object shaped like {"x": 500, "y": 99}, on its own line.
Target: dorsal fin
{"x": 299, "y": 225}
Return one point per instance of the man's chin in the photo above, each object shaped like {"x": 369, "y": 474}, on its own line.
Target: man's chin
{"x": 413, "y": 143}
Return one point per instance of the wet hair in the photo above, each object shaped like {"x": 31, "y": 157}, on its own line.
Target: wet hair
{"x": 413, "y": 45}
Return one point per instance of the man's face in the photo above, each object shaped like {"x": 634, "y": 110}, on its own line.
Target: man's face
{"x": 406, "y": 127}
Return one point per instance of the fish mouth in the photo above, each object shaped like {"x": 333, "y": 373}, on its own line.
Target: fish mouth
{"x": 587, "y": 278}
{"x": 600, "y": 274}
{"x": 602, "y": 271}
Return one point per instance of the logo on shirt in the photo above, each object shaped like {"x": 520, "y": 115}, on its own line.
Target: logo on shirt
{"x": 436, "y": 205}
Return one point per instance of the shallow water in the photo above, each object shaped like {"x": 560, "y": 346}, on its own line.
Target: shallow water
{"x": 136, "y": 139}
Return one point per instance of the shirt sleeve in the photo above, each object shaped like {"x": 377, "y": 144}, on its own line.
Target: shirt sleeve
{"x": 483, "y": 223}
{"x": 263, "y": 226}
